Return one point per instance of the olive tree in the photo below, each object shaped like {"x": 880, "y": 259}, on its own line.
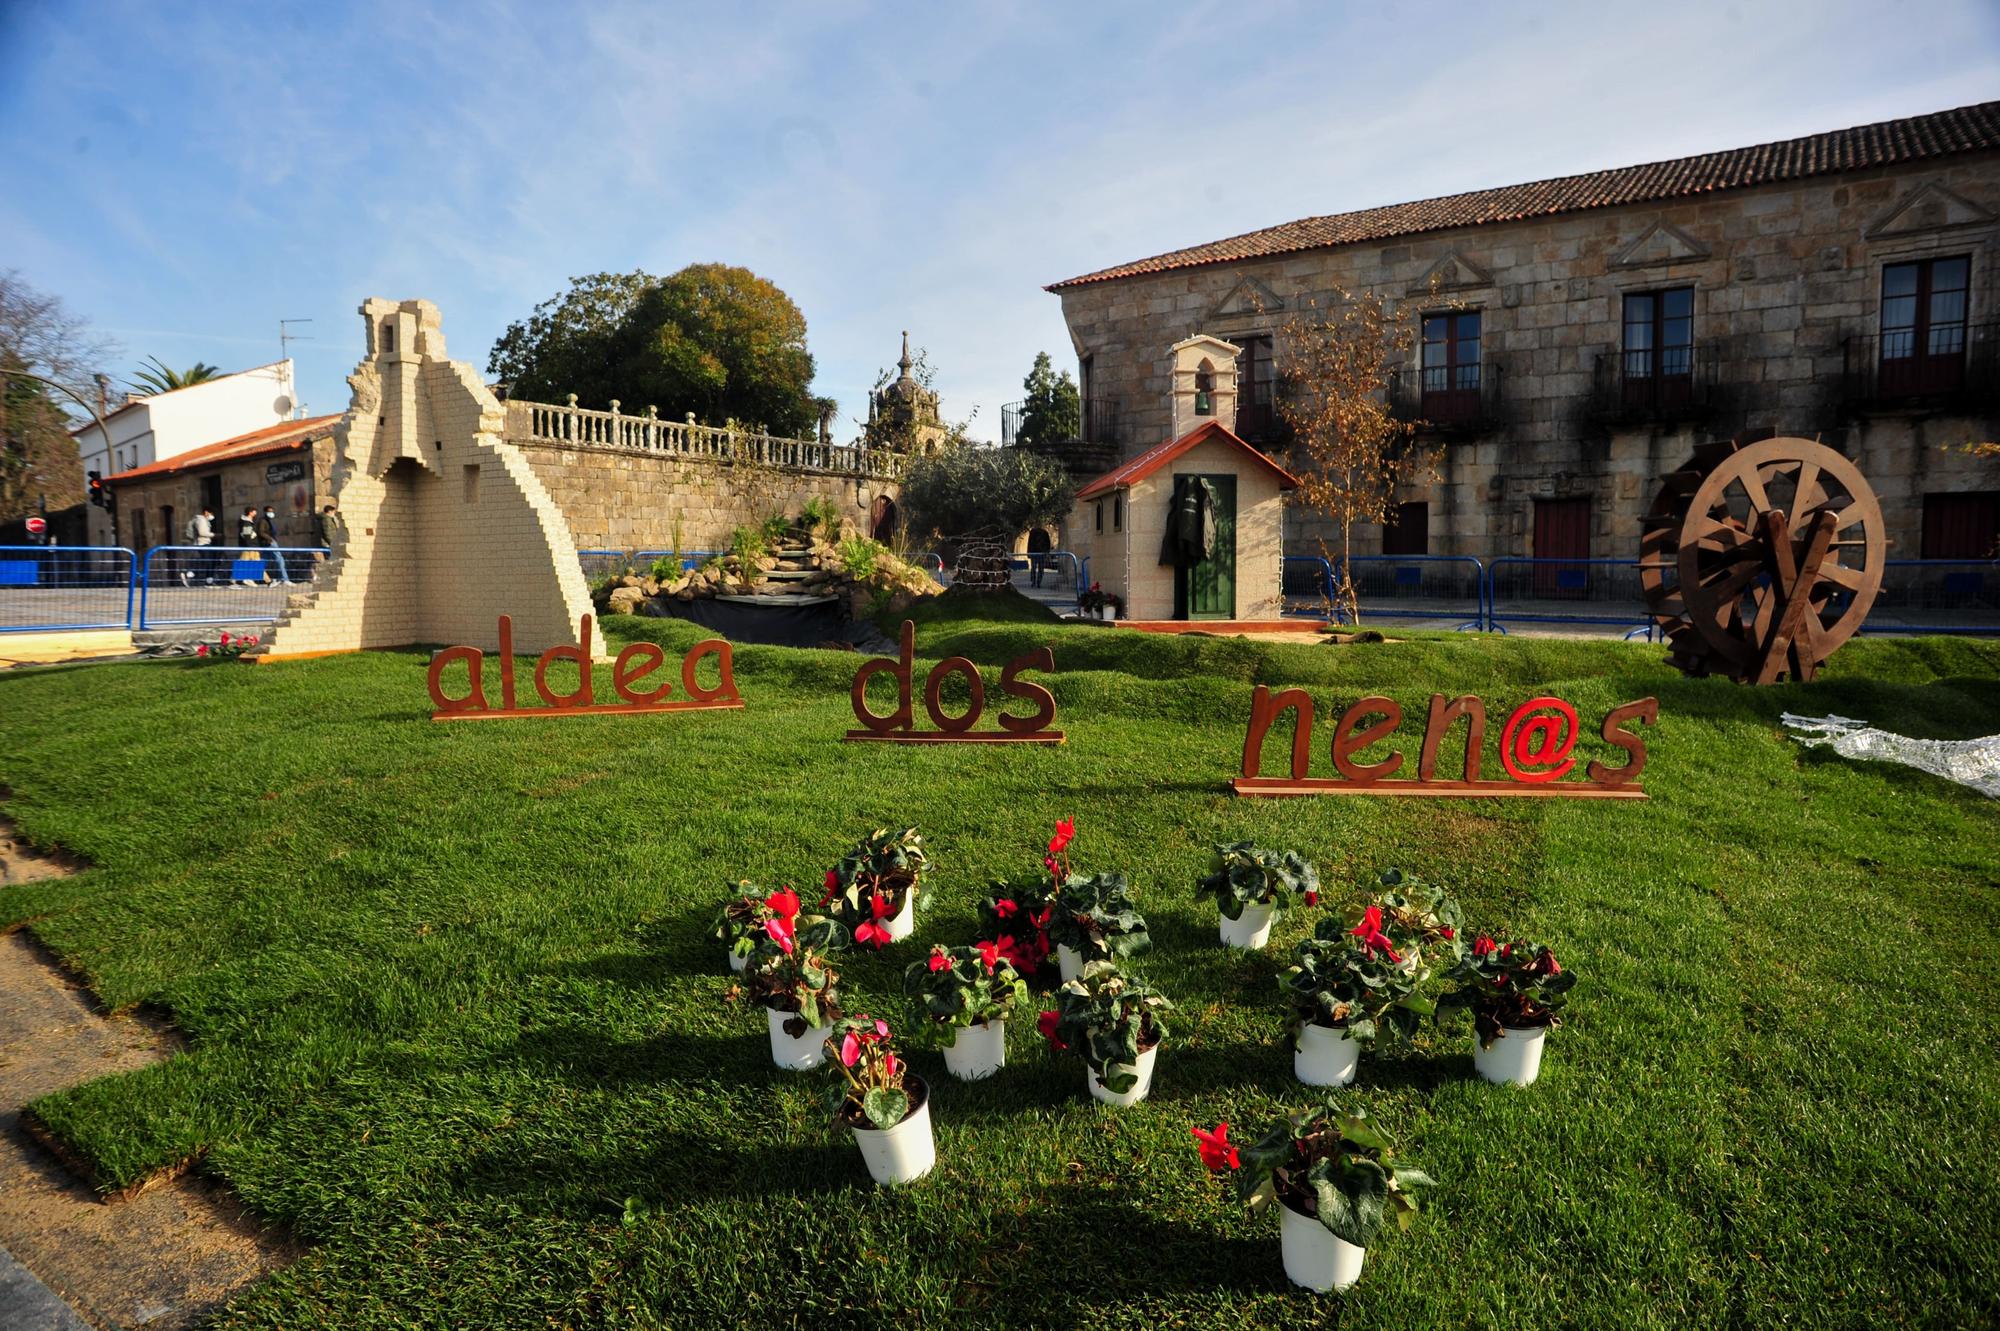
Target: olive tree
{"x": 981, "y": 499}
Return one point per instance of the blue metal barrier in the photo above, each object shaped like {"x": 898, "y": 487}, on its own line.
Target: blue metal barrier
{"x": 1937, "y": 596}
{"x": 1319, "y": 584}
{"x": 47, "y": 588}
{"x": 1384, "y": 582}
{"x": 1038, "y": 564}
{"x": 598, "y": 563}
{"x": 1539, "y": 591}
{"x": 221, "y": 584}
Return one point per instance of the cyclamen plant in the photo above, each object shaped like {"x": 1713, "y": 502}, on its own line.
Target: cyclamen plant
{"x": 870, "y": 1089}
{"x": 1016, "y": 920}
{"x": 788, "y": 971}
{"x": 1095, "y": 917}
{"x": 740, "y": 922}
{"x": 1336, "y": 1166}
{"x": 1508, "y": 986}
{"x": 1356, "y": 980}
{"x": 1108, "y": 1018}
{"x": 1416, "y": 913}
{"x": 1244, "y": 875}
{"x": 229, "y": 648}
{"x": 867, "y": 888}
{"x": 964, "y": 986}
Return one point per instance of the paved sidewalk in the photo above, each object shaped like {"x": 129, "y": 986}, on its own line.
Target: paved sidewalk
{"x": 26, "y": 1304}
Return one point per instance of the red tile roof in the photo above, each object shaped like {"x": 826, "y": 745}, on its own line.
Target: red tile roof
{"x": 1139, "y": 468}
{"x": 1966, "y": 129}
{"x": 280, "y": 438}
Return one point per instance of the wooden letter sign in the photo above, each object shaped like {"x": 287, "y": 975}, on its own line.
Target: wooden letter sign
{"x": 1535, "y": 747}
{"x": 631, "y": 668}
{"x": 897, "y": 727}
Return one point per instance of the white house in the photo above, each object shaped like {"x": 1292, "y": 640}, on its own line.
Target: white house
{"x": 163, "y": 425}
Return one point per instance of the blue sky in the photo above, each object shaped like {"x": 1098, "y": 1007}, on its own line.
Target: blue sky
{"x": 185, "y": 176}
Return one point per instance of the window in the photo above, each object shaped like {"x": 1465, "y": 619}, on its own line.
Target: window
{"x": 1256, "y": 416}
{"x": 1100, "y": 515}
{"x": 1961, "y": 526}
{"x": 1118, "y": 511}
{"x": 1659, "y": 348}
{"x": 1409, "y": 531}
{"x": 1923, "y": 326}
{"x": 1451, "y": 368}
{"x": 1086, "y": 374}
{"x": 1204, "y": 389}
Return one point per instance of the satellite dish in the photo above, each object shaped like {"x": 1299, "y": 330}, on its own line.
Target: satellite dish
{"x": 283, "y": 406}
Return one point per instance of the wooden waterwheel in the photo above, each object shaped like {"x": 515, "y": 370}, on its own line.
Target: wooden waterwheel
{"x": 1759, "y": 559}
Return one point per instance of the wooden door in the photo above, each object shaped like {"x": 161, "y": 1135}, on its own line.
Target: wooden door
{"x": 1562, "y": 531}
{"x": 1207, "y": 590}
{"x": 1961, "y": 526}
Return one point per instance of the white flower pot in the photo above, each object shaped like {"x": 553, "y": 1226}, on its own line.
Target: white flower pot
{"x": 906, "y": 1151}
{"x": 1252, "y": 929}
{"x": 979, "y": 1051}
{"x": 1515, "y": 1059}
{"x": 1069, "y": 961}
{"x": 1324, "y": 1056}
{"x": 1109, "y": 614}
{"x": 738, "y": 961}
{"x": 904, "y": 922}
{"x": 1315, "y": 1256}
{"x": 1144, "y": 1067}
{"x": 799, "y": 1054}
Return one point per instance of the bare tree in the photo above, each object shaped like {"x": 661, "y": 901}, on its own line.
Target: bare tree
{"x": 40, "y": 333}
{"x": 40, "y": 337}
{"x": 1350, "y": 451}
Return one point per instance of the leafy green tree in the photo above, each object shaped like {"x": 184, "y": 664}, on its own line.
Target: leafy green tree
{"x": 712, "y": 339}
{"x": 161, "y": 378}
{"x": 1053, "y": 410}
{"x": 980, "y": 499}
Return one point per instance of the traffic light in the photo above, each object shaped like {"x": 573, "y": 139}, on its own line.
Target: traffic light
{"x": 96, "y": 479}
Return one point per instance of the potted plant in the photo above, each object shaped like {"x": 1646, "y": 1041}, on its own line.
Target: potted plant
{"x": 971, "y": 991}
{"x": 1515, "y": 992}
{"x": 739, "y": 924}
{"x": 873, "y": 890}
{"x": 790, "y": 978}
{"x": 1114, "y": 1021}
{"x": 1094, "y": 920}
{"x": 884, "y": 1104}
{"x": 1346, "y": 985}
{"x": 1253, "y": 887}
{"x": 1016, "y": 920}
{"x": 1336, "y": 1179}
{"x": 1414, "y": 912}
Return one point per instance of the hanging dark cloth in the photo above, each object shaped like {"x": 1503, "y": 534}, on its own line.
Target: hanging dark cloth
{"x": 1190, "y": 535}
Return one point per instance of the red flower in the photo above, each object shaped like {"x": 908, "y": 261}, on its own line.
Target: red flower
{"x": 1369, "y": 931}
{"x": 881, "y": 1029}
{"x": 869, "y": 932}
{"x": 780, "y": 929}
{"x": 201, "y": 649}
{"x": 1216, "y": 1152}
{"x": 1447, "y": 934}
{"x": 1483, "y": 945}
{"x": 225, "y": 637}
{"x": 889, "y": 1065}
{"x": 939, "y": 961}
{"x": 1549, "y": 966}
{"x": 850, "y": 1050}
{"x": 1506, "y": 949}
{"x": 1005, "y": 907}
{"x": 784, "y": 902}
{"x": 990, "y": 954}
{"x": 1055, "y": 869}
{"x": 877, "y": 904}
{"x": 1312, "y": 898}
{"x": 1046, "y": 1024}
{"x": 1065, "y": 833}
{"x": 832, "y": 885}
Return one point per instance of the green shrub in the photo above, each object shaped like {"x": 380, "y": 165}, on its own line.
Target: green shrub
{"x": 861, "y": 557}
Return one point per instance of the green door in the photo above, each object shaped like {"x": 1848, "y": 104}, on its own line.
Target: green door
{"x": 1208, "y": 589}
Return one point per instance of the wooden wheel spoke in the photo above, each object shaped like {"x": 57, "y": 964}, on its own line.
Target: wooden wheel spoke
{"x": 1802, "y": 502}
{"x": 1851, "y": 578}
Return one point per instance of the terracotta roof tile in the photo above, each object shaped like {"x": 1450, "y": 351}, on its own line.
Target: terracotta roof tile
{"x": 1150, "y": 461}
{"x": 279, "y": 438}
{"x": 1966, "y": 129}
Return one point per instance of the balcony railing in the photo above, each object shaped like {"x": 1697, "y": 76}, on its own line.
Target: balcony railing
{"x": 1097, "y": 423}
{"x": 1951, "y": 368}
{"x": 546, "y": 423}
{"x": 1654, "y": 387}
{"x": 1458, "y": 399}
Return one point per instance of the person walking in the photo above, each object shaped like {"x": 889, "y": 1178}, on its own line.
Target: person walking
{"x": 200, "y": 533}
{"x": 246, "y": 537}
{"x": 267, "y": 536}
{"x": 327, "y": 528}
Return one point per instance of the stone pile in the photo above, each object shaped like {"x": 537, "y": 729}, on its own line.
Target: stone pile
{"x": 802, "y": 567}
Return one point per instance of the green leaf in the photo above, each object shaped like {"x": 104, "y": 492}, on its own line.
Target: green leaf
{"x": 885, "y": 1107}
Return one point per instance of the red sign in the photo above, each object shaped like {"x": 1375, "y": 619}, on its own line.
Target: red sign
{"x": 36, "y": 526}
{"x": 633, "y": 665}
{"x": 898, "y": 727}
{"x": 1535, "y": 748}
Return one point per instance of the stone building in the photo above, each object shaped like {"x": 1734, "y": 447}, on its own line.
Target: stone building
{"x": 903, "y": 415}
{"x": 1588, "y": 331}
{"x": 287, "y": 466}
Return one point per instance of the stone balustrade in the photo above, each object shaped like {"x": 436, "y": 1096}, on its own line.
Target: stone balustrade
{"x": 545, "y": 424}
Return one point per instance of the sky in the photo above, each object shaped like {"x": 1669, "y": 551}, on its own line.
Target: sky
{"x": 185, "y": 176}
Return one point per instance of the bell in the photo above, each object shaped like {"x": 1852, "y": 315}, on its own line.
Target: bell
{"x": 1204, "y": 405}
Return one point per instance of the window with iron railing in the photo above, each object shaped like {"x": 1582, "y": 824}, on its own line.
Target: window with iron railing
{"x": 1657, "y": 366}
{"x": 1923, "y": 327}
{"x": 1256, "y": 413}
{"x": 1451, "y": 367}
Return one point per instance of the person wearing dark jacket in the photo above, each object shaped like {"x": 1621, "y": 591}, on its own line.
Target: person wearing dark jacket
{"x": 267, "y": 536}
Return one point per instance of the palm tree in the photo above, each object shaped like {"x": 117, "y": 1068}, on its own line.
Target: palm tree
{"x": 160, "y": 379}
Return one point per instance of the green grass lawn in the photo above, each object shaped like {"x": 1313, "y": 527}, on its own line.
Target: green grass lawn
{"x": 451, "y": 1003}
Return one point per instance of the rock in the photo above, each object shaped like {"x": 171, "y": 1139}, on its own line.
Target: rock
{"x": 625, "y": 600}
{"x": 650, "y": 586}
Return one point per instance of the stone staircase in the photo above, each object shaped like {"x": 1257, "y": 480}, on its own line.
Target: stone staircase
{"x": 794, "y": 576}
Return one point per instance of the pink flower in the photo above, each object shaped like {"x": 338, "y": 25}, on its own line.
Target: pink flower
{"x": 881, "y": 1028}
{"x": 939, "y": 961}
{"x": 850, "y": 1050}
{"x": 784, "y": 902}
{"x": 1549, "y": 966}
{"x": 871, "y": 933}
{"x": 1005, "y": 907}
{"x": 780, "y": 929}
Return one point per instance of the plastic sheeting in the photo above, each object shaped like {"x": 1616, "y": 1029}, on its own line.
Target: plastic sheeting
{"x": 804, "y": 623}
{"x": 1970, "y": 762}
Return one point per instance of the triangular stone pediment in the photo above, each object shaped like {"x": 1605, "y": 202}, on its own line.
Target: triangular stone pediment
{"x": 1929, "y": 207}
{"x": 1248, "y": 296}
{"x": 1660, "y": 243}
{"x": 1453, "y": 272}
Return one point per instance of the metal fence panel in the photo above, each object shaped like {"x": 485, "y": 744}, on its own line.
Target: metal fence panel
{"x": 1937, "y": 596}
{"x": 46, "y": 588}
{"x": 222, "y": 584}
{"x": 1565, "y": 591}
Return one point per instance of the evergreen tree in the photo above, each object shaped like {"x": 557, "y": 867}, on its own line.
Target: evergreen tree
{"x": 1053, "y": 411}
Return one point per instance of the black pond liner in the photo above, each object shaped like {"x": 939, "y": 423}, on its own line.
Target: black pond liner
{"x": 793, "y": 622}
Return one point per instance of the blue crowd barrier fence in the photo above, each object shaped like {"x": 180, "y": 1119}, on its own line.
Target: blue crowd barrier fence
{"x": 1525, "y": 590}
{"x": 1937, "y": 596}
{"x": 221, "y": 584}
{"x": 51, "y": 588}
{"x": 1451, "y": 587}
{"x": 1041, "y": 563}
{"x": 599, "y": 563}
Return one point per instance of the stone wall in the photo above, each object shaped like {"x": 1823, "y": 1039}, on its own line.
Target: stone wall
{"x": 1783, "y": 275}
{"x": 621, "y": 499}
